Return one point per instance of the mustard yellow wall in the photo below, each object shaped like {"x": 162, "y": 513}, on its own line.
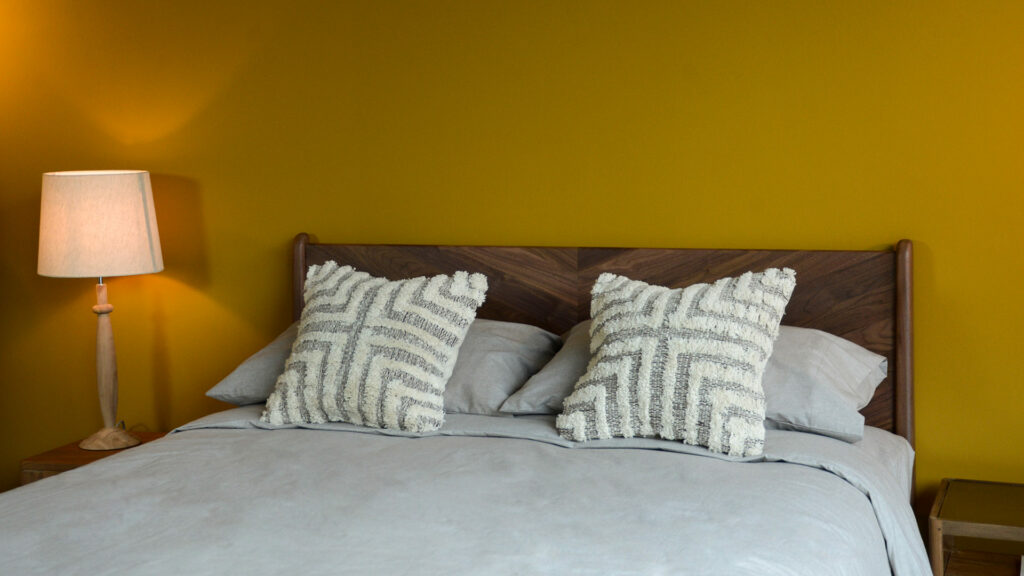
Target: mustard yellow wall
{"x": 711, "y": 124}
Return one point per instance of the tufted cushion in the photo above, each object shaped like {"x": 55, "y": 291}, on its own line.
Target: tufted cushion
{"x": 375, "y": 352}
{"x": 683, "y": 364}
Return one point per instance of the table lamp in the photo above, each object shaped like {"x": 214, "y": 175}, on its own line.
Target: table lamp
{"x": 100, "y": 223}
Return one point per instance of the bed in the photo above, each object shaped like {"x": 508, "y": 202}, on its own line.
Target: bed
{"x": 499, "y": 490}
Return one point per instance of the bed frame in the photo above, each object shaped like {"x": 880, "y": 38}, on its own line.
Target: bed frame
{"x": 863, "y": 296}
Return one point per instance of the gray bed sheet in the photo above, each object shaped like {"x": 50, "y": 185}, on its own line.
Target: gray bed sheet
{"x": 486, "y": 495}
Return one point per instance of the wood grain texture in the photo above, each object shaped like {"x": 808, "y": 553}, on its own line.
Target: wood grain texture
{"x": 109, "y": 437}
{"x": 69, "y": 457}
{"x": 106, "y": 358}
{"x": 971, "y": 563}
{"x": 970, "y": 515}
{"x": 529, "y": 285}
{"x": 863, "y": 296}
{"x": 905, "y": 339}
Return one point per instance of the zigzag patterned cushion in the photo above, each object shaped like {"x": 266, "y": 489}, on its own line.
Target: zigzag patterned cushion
{"x": 682, "y": 364}
{"x": 375, "y": 352}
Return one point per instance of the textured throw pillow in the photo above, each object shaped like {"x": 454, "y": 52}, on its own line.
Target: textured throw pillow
{"x": 253, "y": 380}
{"x": 375, "y": 352}
{"x": 683, "y": 364}
{"x": 494, "y": 361}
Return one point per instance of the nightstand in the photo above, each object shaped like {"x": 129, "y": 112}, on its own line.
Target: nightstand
{"x": 68, "y": 457}
{"x": 977, "y": 527}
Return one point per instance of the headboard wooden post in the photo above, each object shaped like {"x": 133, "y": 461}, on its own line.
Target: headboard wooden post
{"x": 905, "y": 340}
{"x": 298, "y": 272}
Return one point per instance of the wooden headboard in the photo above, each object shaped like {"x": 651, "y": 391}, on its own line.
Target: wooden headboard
{"x": 863, "y": 296}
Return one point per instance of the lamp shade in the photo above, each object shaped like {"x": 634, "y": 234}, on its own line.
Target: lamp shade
{"x": 98, "y": 223}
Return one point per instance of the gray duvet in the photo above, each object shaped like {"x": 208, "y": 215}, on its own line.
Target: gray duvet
{"x": 487, "y": 495}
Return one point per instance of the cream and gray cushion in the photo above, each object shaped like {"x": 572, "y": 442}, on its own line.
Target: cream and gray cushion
{"x": 683, "y": 364}
{"x": 375, "y": 352}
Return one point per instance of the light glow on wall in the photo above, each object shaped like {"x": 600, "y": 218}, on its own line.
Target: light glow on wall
{"x": 145, "y": 93}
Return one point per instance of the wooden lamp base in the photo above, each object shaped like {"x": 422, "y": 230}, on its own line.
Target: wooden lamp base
{"x": 108, "y": 439}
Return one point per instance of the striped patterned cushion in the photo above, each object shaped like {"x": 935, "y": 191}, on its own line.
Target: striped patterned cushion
{"x": 682, "y": 364}
{"x": 375, "y": 352}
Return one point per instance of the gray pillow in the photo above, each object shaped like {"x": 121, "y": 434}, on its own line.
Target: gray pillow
{"x": 375, "y": 352}
{"x": 545, "y": 391}
{"x": 681, "y": 364}
{"x": 253, "y": 380}
{"x": 817, "y": 382}
{"x": 815, "y": 358}
{"x": 814, "y": 381}
{"x": 494, "y": 361}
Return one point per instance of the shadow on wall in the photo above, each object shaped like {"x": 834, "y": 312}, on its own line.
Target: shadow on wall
{"x": 26, "y": 295}
{"x": 161, "y": 377}
{"x": 179, "y": 217}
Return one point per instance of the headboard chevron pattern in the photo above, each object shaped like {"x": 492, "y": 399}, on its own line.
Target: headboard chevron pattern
{"x": 863, "y": 296}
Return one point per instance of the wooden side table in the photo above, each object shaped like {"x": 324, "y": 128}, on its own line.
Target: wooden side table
{"x": 68, "y": 457}
{"x": 983, "y": 511}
